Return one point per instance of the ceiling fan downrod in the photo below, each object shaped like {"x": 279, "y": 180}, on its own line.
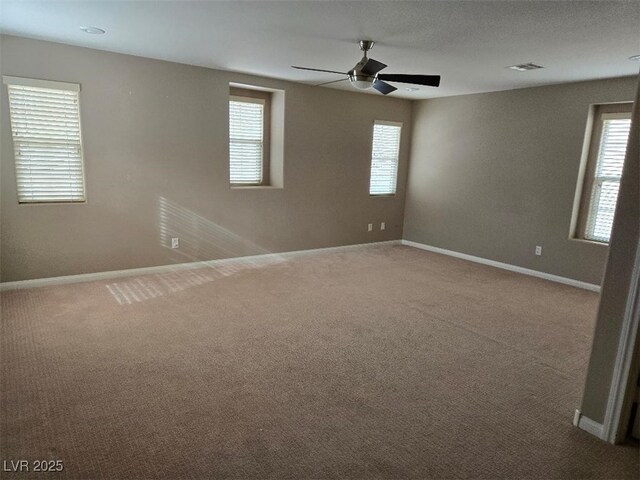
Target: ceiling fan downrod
{"x": 366, "y": 45}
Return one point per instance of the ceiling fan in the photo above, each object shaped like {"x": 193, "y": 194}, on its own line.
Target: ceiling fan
{"x": 366, "y": 74}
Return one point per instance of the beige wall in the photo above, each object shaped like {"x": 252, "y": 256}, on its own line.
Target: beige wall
{"x": 618, "y": 283}
{"x": 493, "y": 175}
{"x": 156, "y": 158}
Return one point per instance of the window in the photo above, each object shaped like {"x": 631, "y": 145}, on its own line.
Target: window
{"x": 256, "y": 136}
{"x": 47, "y": 141}
{"x": 607, "y": 149}
{"x": 384, "y": 158}
{"x": 246, "y": 141}
{"x": 248, "y": 137}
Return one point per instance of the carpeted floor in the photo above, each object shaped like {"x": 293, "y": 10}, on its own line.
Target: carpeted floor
{"x": 378, "y": 362}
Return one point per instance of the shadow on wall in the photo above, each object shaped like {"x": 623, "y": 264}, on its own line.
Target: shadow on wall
{"x": 199, "y": 238}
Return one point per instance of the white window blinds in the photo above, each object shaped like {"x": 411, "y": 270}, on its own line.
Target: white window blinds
{"x": 47, "y": 142}
{"x": 246, "y": 121}
{"x": 384, "y": 158}
{"x": 606, "y": 181}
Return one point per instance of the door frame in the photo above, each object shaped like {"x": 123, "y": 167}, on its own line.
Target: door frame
{"x": 623, "y": 383}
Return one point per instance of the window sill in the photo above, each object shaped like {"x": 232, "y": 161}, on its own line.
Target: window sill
{"x": 58, "y": 204}
{"x": 389, "y": 195}
{"x": 591, "y": 242}
{"x": 255, "y": 187}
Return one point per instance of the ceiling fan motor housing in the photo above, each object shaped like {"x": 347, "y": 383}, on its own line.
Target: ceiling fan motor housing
{"x": 359, "y": 79}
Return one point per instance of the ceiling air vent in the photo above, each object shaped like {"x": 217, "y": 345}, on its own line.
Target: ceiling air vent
{"x": 523, "y": 67}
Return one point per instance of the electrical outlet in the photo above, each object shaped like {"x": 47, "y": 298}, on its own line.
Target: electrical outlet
{"x": 370, "y": 227}
{"x": 382, "y": 226}
{"x": 538, "y": 250}
{"x": 175, "y": 243}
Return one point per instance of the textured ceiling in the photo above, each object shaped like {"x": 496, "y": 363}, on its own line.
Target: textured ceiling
{"x": 468, "y": 43}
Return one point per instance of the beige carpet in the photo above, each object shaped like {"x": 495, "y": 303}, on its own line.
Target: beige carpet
{"x": 381, "y": 362}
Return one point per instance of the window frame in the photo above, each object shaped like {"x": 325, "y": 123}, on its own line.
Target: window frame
{"x": 264, "y": 98}
{"x": 587, "y": 181}
{"x": 390, "y": 123}
{"x": 9, "y": 80}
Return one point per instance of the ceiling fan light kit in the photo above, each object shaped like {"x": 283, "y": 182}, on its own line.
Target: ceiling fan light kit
{"x": 365, "y": 74}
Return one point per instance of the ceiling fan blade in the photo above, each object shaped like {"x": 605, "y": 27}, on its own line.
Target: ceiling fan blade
{"x": 372, "y": 67}
{"x": 383, "y": 88}
{"x": 318, "y": 70}
{"x": 428, "y": 80}
{"x": 333, "y": 81}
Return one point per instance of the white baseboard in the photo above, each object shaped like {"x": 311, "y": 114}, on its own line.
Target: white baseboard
{"x": 505, "y": 266}
{"x": 267, "y": 257}
{"x": 588, "y": 425}
{"x": 88, "y": 277}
